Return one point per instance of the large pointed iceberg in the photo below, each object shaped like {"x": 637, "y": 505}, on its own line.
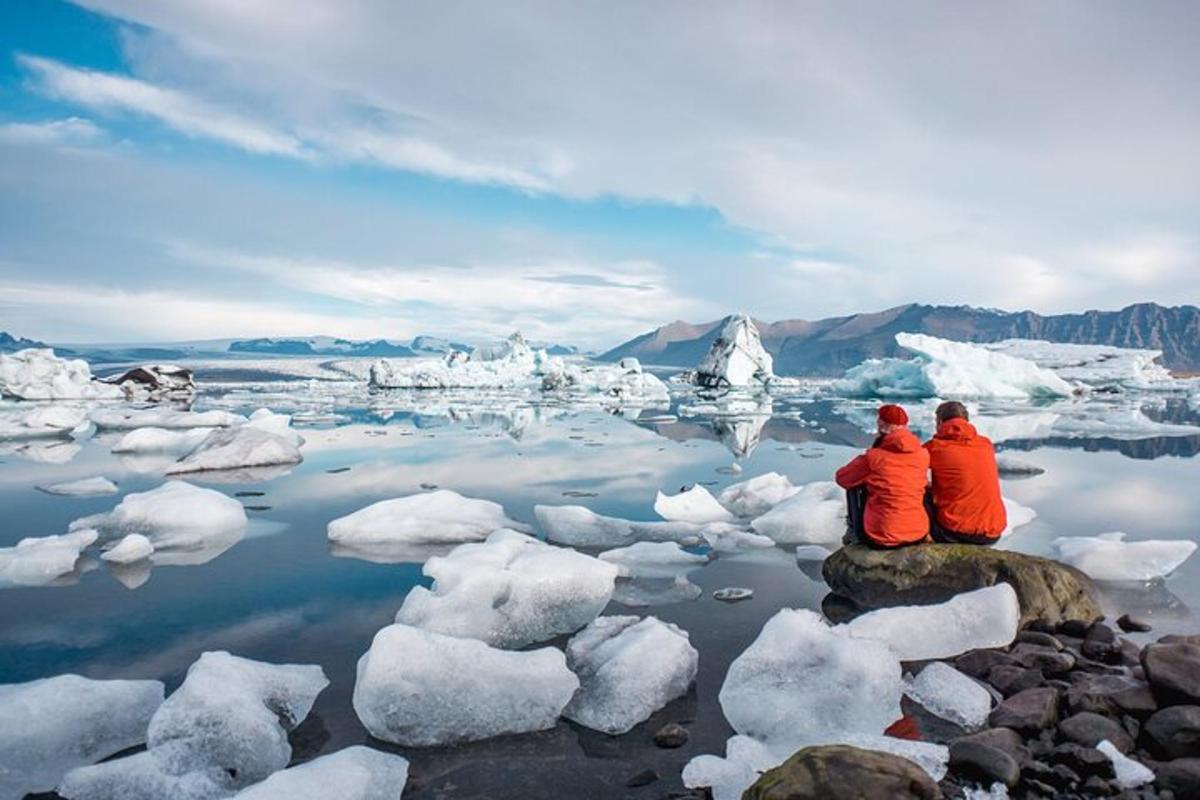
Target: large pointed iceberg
{"x": 736, "y": 357}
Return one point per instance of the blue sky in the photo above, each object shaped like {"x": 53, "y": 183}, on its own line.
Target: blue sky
{"x": 584, "y": 172}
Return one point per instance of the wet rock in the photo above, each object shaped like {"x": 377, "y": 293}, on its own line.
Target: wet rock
{"x": 1046, "y": 659}
{"x": 1173, "y": 733}
{"x": 643, "y": 778}
{"x": 1005, "y": 739}
{"x": 1100, "y": 644}
{"x": 984, "y": 763}
{"x": 839, "y": 772}
{"x": 1089, "y": 729}
{"x": 1009, "y": 680}
{"x": 671, "y": 735}
{"x": 1112, "y": 695}
{"x": 838, "y": 609}
{"x": 1084, "y": 761}
{"x": 978, "y": 663}
{"x": 1095, "y": 786}
{"x": 1039, "y": 638}
{"x": 1027, "y": 712}
{"x": 1181, "y": 776}
{"x": 1099, "y": 632}
{"x": 1047, "y": 590}
{"x": 1075, "y": 627}
{"x": 1132, "y": 624}
{"x": 1173, "y": 672}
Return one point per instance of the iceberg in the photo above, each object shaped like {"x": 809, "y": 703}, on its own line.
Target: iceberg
{"x": 38, "y": 374}
{"x": 36, "y": 561}
{"x": 653, "y": 560}
{"x": 509, "y": 591}
{"x": 1108, "y": 557}
{"x": 947, "y": 693}
{"x": 509, "y": 363}
{"x": 222, "y": 730}
{"x": 132, "y": 548}
{"x": 418, "y": 689}
{"x": 982, "y": 618}
{"x": 49, "y": 727}
{"x": 156, "y": 382}
{"x": 238, "y": 447}
{"x": 441, "y": 516}
{"x": 623, "y": 384}
{"x": 84, "y": 487}
{"x": 756, "y": 496}
{"x": 693, "y": 505}
{"x": 814, "y": 514}
{"x": 46, "y": 421}
{"x": 127, "y": 419}
{"x": 161, "y": 440}
{"x": 355, "y": 773}
{"x": 579, "y": 526}
{"x": 176, "y": 515}
{"x": 944, "y": 368}
{"x": 1095, "y": 365}
{"x": 628, "y": 668}
{"x": 736, "y": 357}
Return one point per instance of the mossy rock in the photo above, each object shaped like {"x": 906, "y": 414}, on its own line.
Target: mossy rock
{"x": 841, "y": 772}
{"x": 933, "y": 573}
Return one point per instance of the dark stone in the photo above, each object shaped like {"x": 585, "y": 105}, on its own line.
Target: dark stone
{"x": 1180, "y": 638}
{"x": 1040, "y": 626}
{"x": 1099, "y": 632}
{"x": 839, "y": 772}
{"x": 1064, "y": 777}
{"x": 1005, "y": 739}
{"x": 935, "y": 573}
{"x": 1027, "y": 712}
{"x": 1173, "y": 733}
{"x": 977, "y": 663}
{"x": 1131, "y": 654}
{"x": 1009, "y": 680}
{"x": 1095, "y": 786}
{"x": 643, "y": 778}
{"x": 838, "y": 609}
{"x": 1038, "y": 638}
{"x": 1075, "y": 627}
{"x": 1089, "y": 729}
{"x": 1132, "y": 624}
{"x": 984, "y": 763}
{"x": 1047, "y": 659}
{"x": 1036, "y": 788}
{"x": 1173, "y": 672}
{"x": 1181, "y": 776}
{"x": 1112, "y": 695}
{"x": 1132, "y": 726}
{"x": 1085, "y": 761}
{"x": 671, "y": 735}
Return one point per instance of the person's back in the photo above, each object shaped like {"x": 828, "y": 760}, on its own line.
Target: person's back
{"x": 967, "y": 505}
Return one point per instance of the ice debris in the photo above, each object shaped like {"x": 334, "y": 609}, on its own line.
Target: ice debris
{"x": 238, "y": 447}
{"x": 579, "y": 526}
{"x": 132, "y": 548}
{"x": 38, "y": 374}
{"x": 653, "y": 560}
{"x": 155, "y": 382}
{"x": 945, "y": 692}
{"x": 812, "y": 552}
{"x": 429, "y": 517}
{"x": 622, "y": 384}
{"x": 1108, "y": 557}
{"x": 354, "y": 773}
{"x": 176, "y": 515}
{"x": 642, "y": 592}
{"x": 1130, "y": 774}
{"x": 814, "y": 514}
{"x": 1017, "y": 514}
{"x": 84, "y": 487}
{"x": 756, "y": 496}
{"x": 36, "y": 561}
{"x": 724, "y": 537}
{"x": 279, "y": 424}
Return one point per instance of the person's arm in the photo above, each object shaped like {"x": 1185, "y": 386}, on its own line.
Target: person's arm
{"x": 853, "y": 474}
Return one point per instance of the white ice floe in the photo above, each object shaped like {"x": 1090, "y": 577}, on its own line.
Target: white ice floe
{"x": 155, "y": 382}
{"x": 812, "y": 552}
{"x": 49, "y": 727}
{"x": 693, "y": 505}
{"x": 38, "y": 560}
{"x": 815, "y": 514}
{"x": 132, "y": 548}
{"x": 223, "y": 729}
{"x": 944, "y": 368}
{"x": 354, "y": 773}
{"x": 1108, "y": 557}
{"x": 279, "y": 424}
{"x": 620, "y": 384}
{"x": 509, "y": 591}
{"x": 42, "y": 451}
{"x": 509, "y": 363}
{"x": 1096, "y": 365}
{"x": 579, "y": 526}
{"x": 127, "y": 419}
{"x": 1130, "y": 774}
{"x": 653, "y": 559}
{"x": 42, "y": 421}
{"x": 238, "y": 447}
{"x": 756, "y": 496}
{"x": 1009, "y": 465}
{"x": 176, "y": 515}
{"x": 84, "y": 487}
{"x": 628, "y": 668}
{"x": 987, "y": 617}
{"x": 440, "y": 516}
{"x": 161, "y": 440}
{"x": 724, "y": 537}
{"x": 1017, "y": 514}
{"x": 944, "y": 691}
{"x": 418, "y": 688}
{"x": 736, "y": 357}
{"x": 733, "y": 594}
{"x": 38, "y": 374}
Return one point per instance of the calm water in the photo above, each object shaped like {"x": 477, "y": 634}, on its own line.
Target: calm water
{"x": 281, "y": 595}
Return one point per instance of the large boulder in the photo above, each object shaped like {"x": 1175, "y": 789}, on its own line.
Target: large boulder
{"x": 840, "y": 772}
{"x": 933, "y": 573}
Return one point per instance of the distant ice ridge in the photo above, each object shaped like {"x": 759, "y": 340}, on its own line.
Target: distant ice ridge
{"x": 51, "y": 726}
{"x": 1093, "y": 364}
{"x": 417, "y": 688}
{"x": 622, "y": 384}
{"x": 1108, "y": 557}
{"x": 38, "y": 374}
{"x": 441, "y": 516}
{"x": 944, "y": 368}
{"x": 224, "y": 729}
{"x": 36, "y": 561}
{"x": 355, "y": 773}
{"x": 509, "y": 591}
{"x": 43, "y": 421}
{"x": 628, "y": 668}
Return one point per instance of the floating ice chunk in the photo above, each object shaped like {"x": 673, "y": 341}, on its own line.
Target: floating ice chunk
{"x": 1092, "y": 364}
{"x": 419, "y": 688}
{"x": 815, "y": 514}
{"x": 736, "y": 357}
{"x": 733, "y": 594}
{"x": 1130, "y": 774}
{"x": 987, "y": 617}
{"x": 723, "y": 537}
{"x": 1018, "y": 515}
{"x": 579, "y": 526}
{"x": 126, "y": 419}
{"x": 642, "y": 592}
{"x": 1108, "y": 557}
{"x": 36, "y": 561}
{"x": 628, "y": 669}
{"x": 812, "y": 552}
{"x": 944, "y": 368}
{"x": 1010, "y": 466}
{"x": 429, "y": 517}
{"x": 745, "y": 759}
{"x": 694, "y": 505}
{"x": 944, "y": 691}
{"x": 84, "y": 487}
{"x": 355, "y": 773}
{"x": 279, "y": 424}
{"x": 510, "y": 363}
{"x": 134, "y": 547}
{"x": 154, "y": 382}
{"x": 621, "y": 384}
{"x": 236, "y": 448}
{"x": 38, "y": 374}
{"x": 223, "y": 729}
{"x": 653, "y": 559}
{"x": 758, "y": 495}
{"x": 161, "y": 440}
{"x": 176, "y": 515}
{"x": 46, "y": 421}
{"x": 509, "y": 591}
{"x": 51, "y": 726}
{"x": 802, "y": 682}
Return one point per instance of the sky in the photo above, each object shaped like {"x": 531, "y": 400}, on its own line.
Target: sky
{"x": 191, "y": 169}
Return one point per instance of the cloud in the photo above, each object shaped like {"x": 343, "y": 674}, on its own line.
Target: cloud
{"x": 69, "y": 131}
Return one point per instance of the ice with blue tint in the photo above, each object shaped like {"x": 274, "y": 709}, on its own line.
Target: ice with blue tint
{"x": 84, "y": 487}
{"x": 176, "y": 515}
{"x": 693, "y": 505}
{"x": 815, "y": 514}
{"x": 1129, "y": 774}
{"x": 441, "y": 516}
{"x": 38, "y": 560}
{"x": 579, "y": 526}
{"x": 355, "y": 773}
{"x": 1108, "y": 557}
{"x": 944, "y": 691}
{"x": 131, "y": 549}
{"x": 758, "y": 495}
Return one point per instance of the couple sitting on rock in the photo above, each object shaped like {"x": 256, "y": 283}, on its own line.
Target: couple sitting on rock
{"x": 891, "y": 501}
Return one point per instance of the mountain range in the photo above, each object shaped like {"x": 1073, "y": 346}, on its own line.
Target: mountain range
{"x": 827, "y": 347}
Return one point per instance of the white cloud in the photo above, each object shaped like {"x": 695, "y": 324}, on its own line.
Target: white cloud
{"x": 69, "y": 131}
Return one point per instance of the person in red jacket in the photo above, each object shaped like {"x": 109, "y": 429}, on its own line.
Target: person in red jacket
{"x": 885, "y": 486}
{"x": 966, "y": 506}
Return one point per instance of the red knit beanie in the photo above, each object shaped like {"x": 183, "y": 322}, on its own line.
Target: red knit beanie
{"x": 893, "y": 415}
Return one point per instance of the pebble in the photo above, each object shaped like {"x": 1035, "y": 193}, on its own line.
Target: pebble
{"x": 671, "y": 735}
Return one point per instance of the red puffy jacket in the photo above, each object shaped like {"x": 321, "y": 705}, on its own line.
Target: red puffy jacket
{"x": 894, "y": 471}
{"x": 966, "y": 484}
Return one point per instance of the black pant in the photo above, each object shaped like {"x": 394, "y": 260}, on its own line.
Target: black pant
{"x": 946, "y": 536}
{"x": 856, "y": 531}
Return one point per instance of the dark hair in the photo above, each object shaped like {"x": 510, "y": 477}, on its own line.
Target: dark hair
{"x": 951, "y": 409}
